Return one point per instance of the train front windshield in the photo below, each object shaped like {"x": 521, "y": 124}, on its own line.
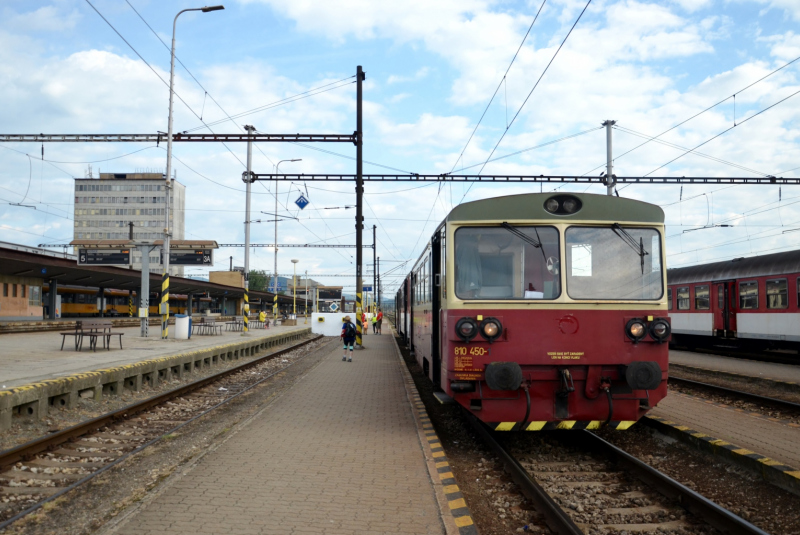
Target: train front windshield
{"x": 614, "y": 263}
{"x": 507, "y": 262}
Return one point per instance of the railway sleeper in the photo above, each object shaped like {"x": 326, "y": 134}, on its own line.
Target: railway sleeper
{"x": 52, "y": 463}
{"x": 28, "y": 491}
{"x": 27, "y": 475}
{"x": 639, "y": 528}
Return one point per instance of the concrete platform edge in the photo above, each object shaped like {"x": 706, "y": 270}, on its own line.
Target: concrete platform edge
{"x": 772, "y": 471}
{"x": 454, "y": 512}
{"x": 33, "y": 401}
{"x": 786, "y": 386}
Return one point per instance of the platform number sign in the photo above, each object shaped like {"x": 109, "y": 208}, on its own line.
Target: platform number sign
{"x": 193, "y": 257}
{"x": 301, "y": 201}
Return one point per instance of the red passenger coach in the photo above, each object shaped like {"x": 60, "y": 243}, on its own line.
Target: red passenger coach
{"x": 501, "y": 328}
{"x": 751, "y": 302}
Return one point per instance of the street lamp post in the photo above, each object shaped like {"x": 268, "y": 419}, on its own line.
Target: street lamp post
{"x": 275, "y": 278}
{"x": 165, "y": 249}
{"x": 294, "y": 289}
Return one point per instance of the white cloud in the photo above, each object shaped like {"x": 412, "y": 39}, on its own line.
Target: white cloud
{"x": 420, "y": 74}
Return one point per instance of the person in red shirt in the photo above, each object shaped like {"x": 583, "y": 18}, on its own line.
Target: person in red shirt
{"x": 364, "y": 324}
{"x": 380, "y": 320}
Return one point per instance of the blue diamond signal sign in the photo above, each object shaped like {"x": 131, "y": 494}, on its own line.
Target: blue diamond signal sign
{"x": 301, "y": 201}
{"x": 366, "y": 288}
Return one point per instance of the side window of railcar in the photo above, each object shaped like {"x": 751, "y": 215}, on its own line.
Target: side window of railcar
{"x": 683, "y": 298}
{"x": 778, "y": 293}
{"x": 669, "y": 299}
{"x": 701, "y": 300}
{"x": 505, "y": 263}
{"x": 748, "y": 295}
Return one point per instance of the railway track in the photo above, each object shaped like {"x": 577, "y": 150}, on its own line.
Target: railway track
{"x": 586, "y": 486}
{"x": 763, "y": 401}
{"x": 44, "y": 469}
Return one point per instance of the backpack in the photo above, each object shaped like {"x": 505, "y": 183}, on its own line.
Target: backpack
{"x": 349, "y": 330}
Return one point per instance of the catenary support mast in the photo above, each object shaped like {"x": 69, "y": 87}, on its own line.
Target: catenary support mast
{"x": 360, "y": 76}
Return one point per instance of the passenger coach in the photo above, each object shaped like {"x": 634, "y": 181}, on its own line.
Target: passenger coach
{"x": 752, "y": 302}
{"x": 543, "y": 311}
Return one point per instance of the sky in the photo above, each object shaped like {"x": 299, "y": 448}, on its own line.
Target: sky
{"x": 472, "y": 86}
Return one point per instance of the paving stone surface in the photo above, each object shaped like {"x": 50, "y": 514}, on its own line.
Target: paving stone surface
{"x": 775, "y": 439}
{"x": 752, "y": 368}
{"x": 336, "y": 454}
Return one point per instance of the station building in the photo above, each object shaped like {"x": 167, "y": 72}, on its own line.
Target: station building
{"x": 105, "y": 206}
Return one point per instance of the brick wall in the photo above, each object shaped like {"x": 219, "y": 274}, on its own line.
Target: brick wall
{"x": 20, "y": 297}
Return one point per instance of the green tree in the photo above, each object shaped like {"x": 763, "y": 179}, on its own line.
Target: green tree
{"x": 259, "y": 280}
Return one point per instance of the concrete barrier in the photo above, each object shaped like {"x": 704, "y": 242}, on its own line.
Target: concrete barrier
{"x": 33, "y": 401}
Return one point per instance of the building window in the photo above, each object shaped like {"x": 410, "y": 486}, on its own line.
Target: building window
{"x": 778, "y": 294}
{"x": 669, "y": 299}
{"x": 35, "y": 296}
{"x": 701, "y": 301}
{"x": 22, "y": 287}
{"x": 748, "y": 295}
{"x": 5, "y": 289}
{"x": 683, "y": 298}
{"x": 13, "y": 290}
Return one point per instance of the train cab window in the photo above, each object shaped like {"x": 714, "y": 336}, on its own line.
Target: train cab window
{"x": 683, "y": 298}
{"x": 778, "y": 293}
{"x": 507, "y": 262}
{"x": 604, "y": 263}
{"x": 701, "y": 299}
{"x": 748, "y": 295}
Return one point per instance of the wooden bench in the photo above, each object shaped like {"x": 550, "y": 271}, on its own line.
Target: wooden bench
{"x": 76, "y": 334}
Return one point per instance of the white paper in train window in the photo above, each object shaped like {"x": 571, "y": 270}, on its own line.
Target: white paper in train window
{"x": 581, "y": 260}
{"x": 655, "y": 254}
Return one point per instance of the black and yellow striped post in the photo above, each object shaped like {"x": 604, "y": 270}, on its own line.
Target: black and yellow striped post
{"x": 246, "y": 316}
{"x": 130, "y": 305}
{"x": 164, "y": 306}
{"x": 359, "y": 326}
{"x": 275, "y": 307}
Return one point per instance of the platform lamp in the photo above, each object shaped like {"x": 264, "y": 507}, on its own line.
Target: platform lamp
{"x": 294, "y": 288}
{"x": 275, "y": 286}
{"x": 305, "y": 314}
{"x": 165, "y": 249}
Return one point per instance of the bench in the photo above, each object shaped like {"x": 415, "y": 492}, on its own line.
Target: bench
{"x": 205, "y": 325}
{"x": 236, "y": 325}
{"x": 93, "y": 329}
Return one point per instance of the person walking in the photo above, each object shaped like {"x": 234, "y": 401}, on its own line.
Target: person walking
{"x": 380, "y": 320}
{"x": 374, "y": 324}
{"x": 348, "y": 336}
{"x": 364, "y": 324}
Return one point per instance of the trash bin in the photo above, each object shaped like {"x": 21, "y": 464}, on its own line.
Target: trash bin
{"x": 182, "y": 326}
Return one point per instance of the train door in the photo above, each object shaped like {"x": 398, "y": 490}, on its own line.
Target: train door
{"x": 436, "y": 305}
{"x": 724, "y": 300}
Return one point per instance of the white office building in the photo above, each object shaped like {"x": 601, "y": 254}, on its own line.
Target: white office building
{"x": 105, "y": 206}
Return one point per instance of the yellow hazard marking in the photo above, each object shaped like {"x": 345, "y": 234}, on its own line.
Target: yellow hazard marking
{"x": 681, "y": 428}
{"x": 457, "y": 504}
{"x": 433, "y": 438}
{"x": 566, "y": 424}
{"x": 505, "y": 426}
{"x": 795, "y": 474}
{"x": 535, "y": 426}
{"x": 743, "y": 451}
{"x": 435, "y": 445}
{"x": 446, "y": 475}
{"x": 442, "y": 464}
{"x": 463, "y": 521}
{"x": 594, "y": 424}
{"x": 437, "y": 454}
{"x": 450, "y": 489}
{"x": 625, "y": 424}
{"x": 719, "y": 442}
{"x": 769, "y": 462}
{"x": 699, "y": 435}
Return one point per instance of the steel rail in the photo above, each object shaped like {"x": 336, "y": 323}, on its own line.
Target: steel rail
{"x": 780, "y": 403}
{"x": 555, "y": 517}
{"x": 34, "y": 447}
{"x": 717, "y": 516}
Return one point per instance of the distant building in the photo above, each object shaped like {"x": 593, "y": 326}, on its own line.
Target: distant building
{"x": 105, "y": 206}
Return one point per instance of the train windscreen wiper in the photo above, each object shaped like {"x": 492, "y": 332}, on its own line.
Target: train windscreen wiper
{"x": 631, "y": 241}
{"x": 524, "y": 237}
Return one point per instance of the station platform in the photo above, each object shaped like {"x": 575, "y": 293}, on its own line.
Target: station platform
{"x": 341, "y": 452}
{"x": 27, "y": 358}
{"x": 750, "y": 368}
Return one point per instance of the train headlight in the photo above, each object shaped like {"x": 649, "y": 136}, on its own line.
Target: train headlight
{"x": 466, "y": 329}
{"x": 635, "y": 329}
{"x": 551, "y": 205}
{"x": 570, "y": 205}
{"x": 563, "y": 204}
{"x": 660, "y": 330}
{"x": 491, "y": 329}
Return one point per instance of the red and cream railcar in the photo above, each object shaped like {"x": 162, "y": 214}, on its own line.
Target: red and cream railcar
{"x": 754, "y": 301}
{"x": 543, "y": 311}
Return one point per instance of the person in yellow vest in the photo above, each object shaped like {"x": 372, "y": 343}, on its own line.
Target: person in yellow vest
{"x": 374, "y": 323}
{"x": 262, "y": 317}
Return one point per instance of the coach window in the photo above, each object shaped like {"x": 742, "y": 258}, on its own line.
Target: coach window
{"x": 669, "y": 299}
{"x": 683, "y": 298}
{"x": 778, "y": 293}
{"x": 701, "y": 301}
{"x": 748, "y": 295}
